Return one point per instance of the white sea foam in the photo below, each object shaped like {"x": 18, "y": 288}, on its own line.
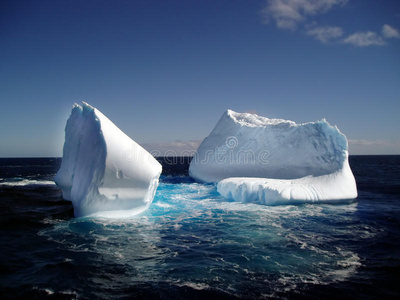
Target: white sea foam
{"x": 46, "y": 290}
{"x": 27, "y": 182}
{"x": 162, "y": 204}
{"x": 194, "y": 285}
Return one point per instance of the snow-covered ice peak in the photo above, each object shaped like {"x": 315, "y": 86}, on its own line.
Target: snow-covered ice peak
{"x": 103, "y": 171}
{"x": 254, "y": 120}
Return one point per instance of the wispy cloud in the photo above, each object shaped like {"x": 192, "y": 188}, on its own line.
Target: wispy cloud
{"x": 374, "y": 146}
{"x": 372, "y": 142}
{"x": 288, "y": 14}
{"x": 325, "y": 34}
{"x": 176, "y": 148}
{"x": 363, "y": 39}
{"x": 369, "y": 38}
{"x": 296, "y": 14}
{"x": 390, "y": 32}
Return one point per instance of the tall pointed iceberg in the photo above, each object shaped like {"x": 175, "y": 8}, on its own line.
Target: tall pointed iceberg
{"x": 103, "y": 171}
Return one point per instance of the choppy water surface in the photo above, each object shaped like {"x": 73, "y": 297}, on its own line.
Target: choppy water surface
{"x": 192, "y": 243}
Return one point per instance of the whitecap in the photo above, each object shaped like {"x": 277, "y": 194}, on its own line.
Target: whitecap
{"x": 193, "y": 285}
{"x": 28, "y": 182}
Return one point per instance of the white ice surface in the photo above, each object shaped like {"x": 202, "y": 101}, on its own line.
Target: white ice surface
{"x": 336, "y": 187}
{"x": 103, "y": 171}
{"x": 274, "y": 161}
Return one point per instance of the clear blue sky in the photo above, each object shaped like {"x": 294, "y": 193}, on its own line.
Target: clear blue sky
{"x": 167, "y": 70}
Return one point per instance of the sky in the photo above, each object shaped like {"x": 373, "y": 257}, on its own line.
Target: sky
{"x": 164, "y": 71}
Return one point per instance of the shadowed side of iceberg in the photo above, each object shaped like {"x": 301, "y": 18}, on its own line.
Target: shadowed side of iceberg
{"x": 103, "y": 171}
{"x": 84, "y": 154}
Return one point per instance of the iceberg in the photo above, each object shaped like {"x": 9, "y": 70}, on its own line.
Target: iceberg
{"x": 275, "y": 161}
{"x": 103, "y": 171}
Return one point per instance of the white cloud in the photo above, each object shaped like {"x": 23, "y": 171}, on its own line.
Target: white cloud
{"x": 177, "y": 148}
{"x": 364, "y": 39}
{"x": 370, "y": 143}
{"x": 325, "y": 34}
{"x": 374, "y": 146}
{"x": 390, "y": 32}
{"x": 369, "y": 38}
{"x": 288, "y": 14}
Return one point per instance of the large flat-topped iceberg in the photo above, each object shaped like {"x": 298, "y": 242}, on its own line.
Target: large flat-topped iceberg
{"x": 292, "y": 162}
{"x": 103, "y": 171}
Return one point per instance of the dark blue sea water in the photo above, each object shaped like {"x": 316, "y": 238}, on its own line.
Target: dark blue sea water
{"x": 194, "y": 244}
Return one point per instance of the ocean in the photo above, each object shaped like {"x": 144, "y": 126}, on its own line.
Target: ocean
{"x": 194, "y": 244}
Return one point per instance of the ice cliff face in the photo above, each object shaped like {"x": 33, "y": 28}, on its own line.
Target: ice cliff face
{"x": 103, "y": 171}
{"x": 250, "y": 146}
